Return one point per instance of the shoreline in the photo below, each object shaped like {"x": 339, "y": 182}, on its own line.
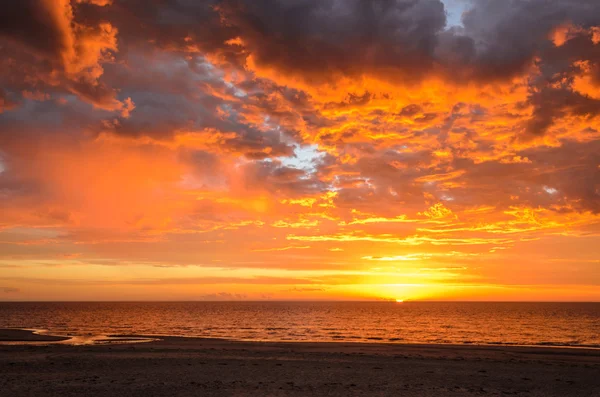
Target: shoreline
{"x": 183, "y": 366}
{"x": 28, "y": 335}
{"x": 362, "y": 343}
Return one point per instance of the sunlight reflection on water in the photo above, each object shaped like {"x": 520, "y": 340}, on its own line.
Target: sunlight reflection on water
{"x": 547, "y": 324}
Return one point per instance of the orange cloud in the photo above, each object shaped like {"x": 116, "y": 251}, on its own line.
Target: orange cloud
{"x": 152, "y": 147}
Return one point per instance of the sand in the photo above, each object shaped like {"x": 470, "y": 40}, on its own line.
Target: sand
{"x": 20, "y": 335}
{"x": 208, "y": 367}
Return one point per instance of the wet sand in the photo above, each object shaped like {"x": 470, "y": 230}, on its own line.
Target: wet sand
{"x": 21, "y": 335}
{"x": 209, "y": 367}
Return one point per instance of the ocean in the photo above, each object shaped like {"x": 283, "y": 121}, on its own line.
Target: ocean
{"x": 486, "y": 323}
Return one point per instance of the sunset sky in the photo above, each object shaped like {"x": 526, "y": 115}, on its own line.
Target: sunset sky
{"x": 300, "y": 149}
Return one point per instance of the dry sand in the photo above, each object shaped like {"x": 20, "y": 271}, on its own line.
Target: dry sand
{"x": 209, "y": 367}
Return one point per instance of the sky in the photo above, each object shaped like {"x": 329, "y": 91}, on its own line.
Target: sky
{"x": 300, "y": 150}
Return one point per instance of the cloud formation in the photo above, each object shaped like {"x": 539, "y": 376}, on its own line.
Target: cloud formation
{"x": 45, "y": 47}
{"x": 310, "y": 141}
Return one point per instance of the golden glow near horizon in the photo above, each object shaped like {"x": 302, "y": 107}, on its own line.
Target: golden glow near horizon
{"x": 214, "y": 161}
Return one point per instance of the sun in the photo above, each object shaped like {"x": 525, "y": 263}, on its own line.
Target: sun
{"x": 399, "y": 300}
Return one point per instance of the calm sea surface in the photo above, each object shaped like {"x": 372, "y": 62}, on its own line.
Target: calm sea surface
{"x": 560, "y": 324}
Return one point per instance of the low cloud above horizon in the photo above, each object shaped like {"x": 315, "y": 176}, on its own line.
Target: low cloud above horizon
{"x": 307, "y": 149}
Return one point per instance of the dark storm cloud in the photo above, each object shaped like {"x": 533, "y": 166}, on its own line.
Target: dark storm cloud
{"x": 44, "y": 47}
{"x": 280, "y": 179}
{"x": 257, "y": 145}
{"x": 39, "y": 24}
{"x": 172, "y": 24}
{"x": 500, "y": 38}
{"x": 573, "y": 172}
{"x": 316, "y": 39}
{"x": 552, "y": 95}
{"x": 551, "y": 104}
{"x": 319, "y": 39}
{"x": 322, "y": 39}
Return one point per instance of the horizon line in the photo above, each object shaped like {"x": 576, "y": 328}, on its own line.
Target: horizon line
{"x": 295, "y": 301}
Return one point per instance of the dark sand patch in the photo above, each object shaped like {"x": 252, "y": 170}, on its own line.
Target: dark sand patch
{"x": 22, "y": 335}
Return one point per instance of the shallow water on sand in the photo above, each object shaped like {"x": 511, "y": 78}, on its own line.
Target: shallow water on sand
{"x": 547, "y": 324}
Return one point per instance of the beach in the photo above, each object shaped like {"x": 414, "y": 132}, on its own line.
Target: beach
{"x": 177, "y": 366}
